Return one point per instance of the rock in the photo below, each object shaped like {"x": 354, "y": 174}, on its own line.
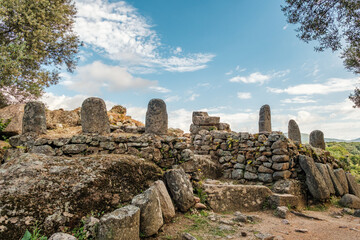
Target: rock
{"x": 180, "y": 188}
{"x": 239, "y": 217}
{"x": 357, "y": 213}
{"x": 301, "y": 230}
{"x": 282, "y": 212}
{"x": 36, "y": 186}
{"x": 121, "y": 224}
{"x": 265, "y": 177}
{"x": 350, "y": 201}
{"x": 151, "y": 219}
{"x": 237, "y": 174}
{"x": 74, "y": 148}
{"x": 340, "y": 175}
{"x": 294, "y": 131}
{"x": 91, "y": 226}
{"x": 63, "y": 118}
{"x": 339, "y": 190}
{"x": 264, "y": 236}
{"x": 316, "y": 139}
{"x": 281, "y": 166}
{"x": 15, "y": 113}
{"x": 280, "y": 158}
{"x": 187, "y": 236}
{"x": 156, "y": 117}
{"x": 200, "y": 206}
{"x": 250, "y": 176}
{"x": 263, "y": 169}
{"x": 265, "y": 119}
{"x": 354, "y": 187}
{"x": 221, "y": 197}
{"x": 277, "y": 200}
{"x": 167, "y": 207}
{"x": 62, "y": 236}
{"x": 34, "y": 119}
{"x": 44, "y": 149}
{"x": 281, "y": 175}
{"x": 94, "y": 117}
{"x": 314, "y": 180}
{"x": 325, "y": 173}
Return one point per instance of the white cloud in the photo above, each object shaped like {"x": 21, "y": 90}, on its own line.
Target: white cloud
{"x": 229, "y": 72}
{"x": 244, "y": 95}
{"x": 331, "y": 86}
{"x": 180, "y": 118}
{"x": 285, "y": 27}
{"x": 258, "y": 77}
{"x": 175, "y": 98}
{"x": 159, "y": 89}
{"x": 90, "y": 79}
{"x": 118, "y": 31}
{"x": 193, "y": 97}
{"x": 237, "y": 69}
{"x": 300, "y": 99}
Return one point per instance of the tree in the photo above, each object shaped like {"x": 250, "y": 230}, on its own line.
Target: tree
{"x": 36, "y": 41}
{"x": 335, "y": 24}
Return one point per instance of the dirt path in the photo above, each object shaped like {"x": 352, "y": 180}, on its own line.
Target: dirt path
{"x": 208, "y": 226}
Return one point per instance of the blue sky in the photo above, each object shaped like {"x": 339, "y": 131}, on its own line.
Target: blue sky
{"x": 225, "y": 57}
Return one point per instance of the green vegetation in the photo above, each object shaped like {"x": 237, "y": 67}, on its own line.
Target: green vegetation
{"x": 348, "y": 154}
{"x": 34, "y": 235}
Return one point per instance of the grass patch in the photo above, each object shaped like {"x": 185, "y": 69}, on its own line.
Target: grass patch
{"x": 335, "y": 201}
{"x": 317, "y": 208}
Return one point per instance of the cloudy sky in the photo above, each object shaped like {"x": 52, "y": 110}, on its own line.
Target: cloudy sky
{"x": 225, "y": 57}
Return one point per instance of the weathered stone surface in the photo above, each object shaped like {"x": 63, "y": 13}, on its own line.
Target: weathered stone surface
{"x": 282, "y": 212}
{"x": 280, "y": 158}
{"x": 206, "y": 120}
{"x": 236, "y": 197}
{"x": 265, "y": 177}
{"x": 15, "y": 113}
{"x": 277, "y": 200}
{"x": 62, "y": 119}
{"x": 325, "y": 173}
{"x": 316, "y": 139}
{"x": 36, "y": 186}
{"x": 281, "y": 175}
{"x": 250, "y": 176}
{"x": 43, "y": 149}
{"x": 167, "y": 207}
{"x": 340, "y": 175}
{"x": 156, "y": 117}
{"x": 34, "y": 119}
{"x": 314, "y": 180}
{"x": 180, "y": 188}
{"x": 265, "y": 119}
{"x": 121, "y": 224}
{"x": 292, "y": 187}
{"x": 294, "y": 131}
{"x": 350, "y": 201}
{"x": 354, "y": 187}
{"x": 237, "y": 174}
{"x": 94, "y": 117}
{"x": 62, "y": 236}
{"x": 281, "y": 166}
{"x": 74, "y": 148}
{"x": 263, "y": 169}
{"x": 151, "y": 218}
{"x": 339, "y": 190}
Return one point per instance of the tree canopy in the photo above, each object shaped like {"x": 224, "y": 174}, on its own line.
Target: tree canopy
{"x": 335, "y": 24}
{"x": 36, "y": 41}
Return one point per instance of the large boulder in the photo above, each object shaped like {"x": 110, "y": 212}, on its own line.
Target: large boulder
{"x": 121, "y": 224}
{"x": 340, "y": 175}
{"x": 180, "y": 188}
{"x": 36, "y": 187}
{"x": 314, "y": 180}
{"x": 354, "y": 187}
{"x": 350, "y": 201}
{"x": 167, "y": 207}
{"x": 15, "y": 113}
{"x": 151, "y": 219}
{"x": 221, "y": 197}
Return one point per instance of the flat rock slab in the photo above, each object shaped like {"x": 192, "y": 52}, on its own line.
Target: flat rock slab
{"x": 278, "y": 200}
{"x": 325, "y": 173}
{"x": 339, "y": 190}
{"x": 15, "y": 113}
{"x": 236, "y": 197}
{"x": 340, "y": 175}
{"x": 314, "y": 180}
{"x": 167, "y": 207}
{"x": 354, "y": 187}
{"x": 121, "y": 224}
{"x": 33, "y": 187}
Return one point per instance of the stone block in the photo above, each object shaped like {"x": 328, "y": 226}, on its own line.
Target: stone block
{"x": 156, "y": 117}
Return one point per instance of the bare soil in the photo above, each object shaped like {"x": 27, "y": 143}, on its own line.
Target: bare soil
{"x": 203, "y": 227}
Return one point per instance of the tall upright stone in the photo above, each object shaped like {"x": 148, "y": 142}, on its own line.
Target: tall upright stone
{"x": 294, "y": 131}
{"x": 156, "y": 117}
{"x": 94, "y": 117}
{"x": 316, "y": 139}
{"x": 265, "y": 119}
{"x": 34, "y": 119}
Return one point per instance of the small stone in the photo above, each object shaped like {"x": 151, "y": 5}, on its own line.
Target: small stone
{"x": 243, "y": 234}
{"x": 282, "y": 212}
{"x": 187, "y": 236}
{"x": 285, "y": 221}
{"x": 357, "y": 213}
{"x": 62, "y": 236}
{"x": 301, "y": 230}
{"x": 264, "y": 236}
{"x": 200, "y": 206}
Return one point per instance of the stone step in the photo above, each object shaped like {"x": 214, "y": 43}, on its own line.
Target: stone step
{"x": 288, "y": 200}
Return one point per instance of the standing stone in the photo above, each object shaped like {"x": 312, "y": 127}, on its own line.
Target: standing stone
{"x": 121, "y": 224}
{"x": 151, "y": 219}
{"x": 34, "y": 119}
{"x": 339, "y": 190}
{"x": 180, "y": 188}
{"x": 156, "y": 117}
{"x": 324, "y": 172}
{"x": 340, "y": 175}
{"x": 314, "y": 180}
{"x": 354, "y": 187}
{"x": 167, "y": 207}
{"x": 294, "y": 131}
{"x": 265, "y": 119}
{"x": 316, "y": 139}
{"x": 94, "y": 117}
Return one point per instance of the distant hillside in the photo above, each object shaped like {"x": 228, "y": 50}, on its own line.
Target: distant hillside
{"x": 305, "y": 139}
